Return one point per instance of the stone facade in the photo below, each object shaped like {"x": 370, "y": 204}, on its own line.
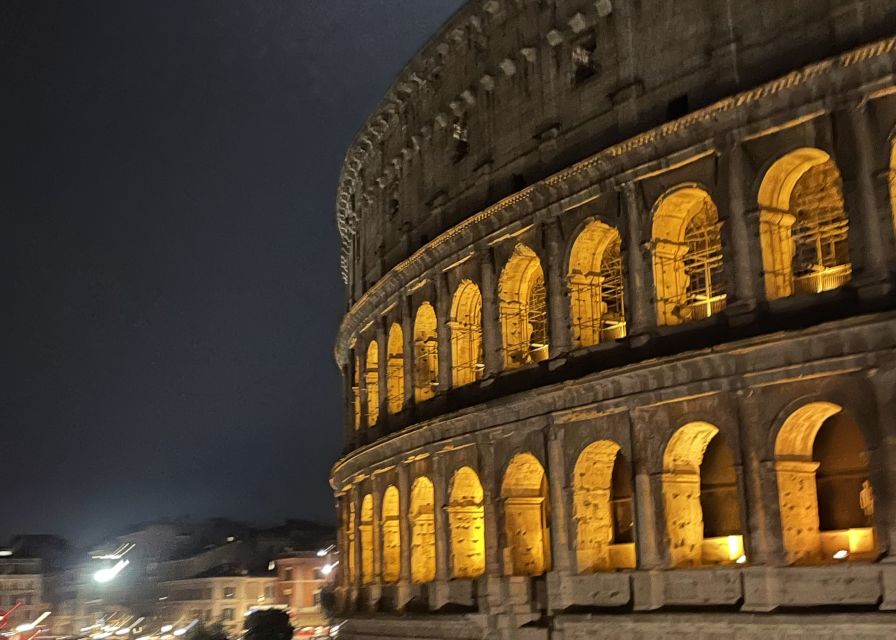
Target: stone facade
{"x": 621, "y": 325}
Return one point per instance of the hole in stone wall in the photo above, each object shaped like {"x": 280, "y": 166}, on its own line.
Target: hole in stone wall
{"x": 678, "y": 107}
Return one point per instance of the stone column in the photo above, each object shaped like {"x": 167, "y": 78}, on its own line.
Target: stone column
{"x": 348, "y": 399}
{"x": 361, "y": 363}
{"x": 443, "y": 314}
{"x": 440, "y": 490}
{"x": 558, "y": 300}
{"x": 382, "y": 343}
{"x": 867, "y": 204}
{"x": 490, "y": 498}
{"x": 882, "y": 466}
{"x": 491, "y": 321}
{"x": 356, "y": 579}
{"x": 404, "y": 531}
{"x": 638, "y": 283}
{"x": 407, "y": 334}
{"x": 741, "y": 242}
{"x": 560, "y": 549}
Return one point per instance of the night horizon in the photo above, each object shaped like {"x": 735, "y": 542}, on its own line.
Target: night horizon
{"x": 170, "y": 172}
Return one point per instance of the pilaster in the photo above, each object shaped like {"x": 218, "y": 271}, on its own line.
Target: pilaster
{"x": 558, "y": 300}
{"x": 638, "y": 285}
{"x": 491, "y": 333}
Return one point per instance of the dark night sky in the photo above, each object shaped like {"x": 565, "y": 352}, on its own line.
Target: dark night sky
{"x": 167, "y": 179}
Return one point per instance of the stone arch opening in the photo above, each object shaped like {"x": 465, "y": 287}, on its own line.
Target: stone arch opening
{"x": 423, "y": 533}
{"x": 892, "y": 183}
{"x": 348, "y": 526}
{"x": 372, "y": 383}
{"x": 825, "y": 494}
{"x": 688, "y": 266}
{"x": 426, "y": 353}
{"x": 523, "y": 308}
{"x": 596, "y": 284}
{"x": 602, "y": 509}
{"x": 803, "y": 225}
{"x": 356, "y": 391}
{"x": 467, "y": 361}
{"x": 524, "y": 493}
{"x": 365, "y": 529}
{"x": 466, "y": 522}
{"x": 391, "y": 535}
{"x": 395, "y": 369}
{"x": 701, "y": 499}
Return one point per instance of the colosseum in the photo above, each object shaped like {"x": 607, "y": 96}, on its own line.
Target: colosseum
{"x": 619, "y": 353}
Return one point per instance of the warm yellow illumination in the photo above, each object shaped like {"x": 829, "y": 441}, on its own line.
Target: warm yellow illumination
{"x": 365, "y": 528}
{"x": 687, "y": 257}
{"x": 526, "y": 517}
{"x": 423, "y": 537}
{"x": 466, "y": 520}
{"x": 395, "y": 369}
{"x": 348, "y": 527}
{"x": 803, "y": 225}
{"x": 426, "y": 353}
{"x": 356, "y": 393}
{"x": 595, "y": 508}
{"x": 892, "y": 182}
{"x": 523, "y": 308}
{"x": 372, "y": 384}
{"x": 391, "y": 536}
{"x": 467, "y": 361}
{"x": 597, "y": 309}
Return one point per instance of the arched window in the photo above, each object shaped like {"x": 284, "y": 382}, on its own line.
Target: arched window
{"x": 391, "y": 536}
{"x": 602, "y": 508}
{"x": 348, "y": 526}
{"x": 356, "y": 391}
{"x": 525, "y": 498}
{"x": 596, "y": 298}
{"x": 701, "y": 499}
{"x": 824, "y": 490}
{"x": 467, "y": 361}
{"x": 523, "y": 306}
{"x": 423, "y": 536}
{"x": 426, "y": 353}
{"x": 687, "y": 257}
{"x": 395, "y": 369}
{"x": 803, "y": 225}
{"x": 466, "y": 520}
{"x": 893, "y": 185}
{"x": 372, "y": 384}
{"x": 365, "y": 528}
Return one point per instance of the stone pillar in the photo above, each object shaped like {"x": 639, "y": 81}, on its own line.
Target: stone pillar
{"x": 404, "y": 531}
{"x": 490, "y": 498}
{"x": 382, "y": 343}
{"x": 348, "y": 400}
{"x": 558, "y": 300}
{"x": 407, "y": 334}
{"x": 443, "y": 314}
{"x": 882, "y": 465}
{"x": 561, "y": 551}
{"x": 638, "y": 283}
{"x": 440, "y": 490}
{"x": 867, "y": 204}
{"x": 741, "y": 243}
{"x": 491, "y": 321}
{"x": 649, "y": 527}
{"x": 356, "y": 579}
{"x": 798, "y": 506}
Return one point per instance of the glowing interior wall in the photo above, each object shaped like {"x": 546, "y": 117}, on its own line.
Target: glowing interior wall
{"x": 467, "y": 361}
{"x": 423, "y": 537}
{"x": 526, "y": 517}
{"x": 426, "y": 353}
{"x": 395, "y": 369}
{"x": 466, "y": 520}
{"x": 372, "y": 384}
{"x": 523, "y": 308}
{"x": 391, "y": 536}
{"x": 365, "y": 529}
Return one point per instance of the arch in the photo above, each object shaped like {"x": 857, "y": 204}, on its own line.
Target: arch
{"x": 365, "y": 529}
{"x": 348, "y": 526}
{"x": 522, "y": 302}
{"x": 466, "y": 522}
{"x": 426, "y": 353}
{"x": 892, "y": 183}
{"x": 597, "y": 305}
{"x": 391, "y": 535}
{"x": 688, "y": 267}
{"x": 524, "y": 493}
{"x": 423, "y": 536}
{"x": 467, "y": 362}
{"x": 825, "y": 495}
{"x": 701, "y": 500}
{"x": 356, "y": 392}
{"x": 602, "y": 509}
{"x": 372, "y": 384}
{"x": 803, "y": 226}
{"x": 395, "y": 369}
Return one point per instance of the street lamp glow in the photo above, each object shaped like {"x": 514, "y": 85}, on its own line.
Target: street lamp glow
{"x": 108, "y": 574}
{"x": 166, "y": 628}
{"x": 327, "y": 569}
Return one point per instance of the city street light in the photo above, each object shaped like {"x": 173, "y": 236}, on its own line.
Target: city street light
{"x": 108, "y": 574}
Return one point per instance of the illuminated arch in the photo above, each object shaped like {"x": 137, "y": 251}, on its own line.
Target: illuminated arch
{"x": 523, "y": 308}
{"x": 803, "y": 226}
{"x": 356, "y": 392}
{"x": 701, "y": 498}
{"x": 466, "y": 521}
{"x": 365, "y": 528}
{"x": 824, "y": 490}
{"x": 372, "y": 383}
{"x": 688, "y": 267}
{"x": 602, "y": 509}
{"x": 391, "y": 535}
{"x": 465, "y": 323}
{"x": 395, "y": 369}
{"x": 597, "y": 307}
{"x": 426, "y": 353}
{"x": 423, "y": 536}
{"x": 348, "y": 527}
{"x": 525, "y": 499}
{"x": 892, "y": 182}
